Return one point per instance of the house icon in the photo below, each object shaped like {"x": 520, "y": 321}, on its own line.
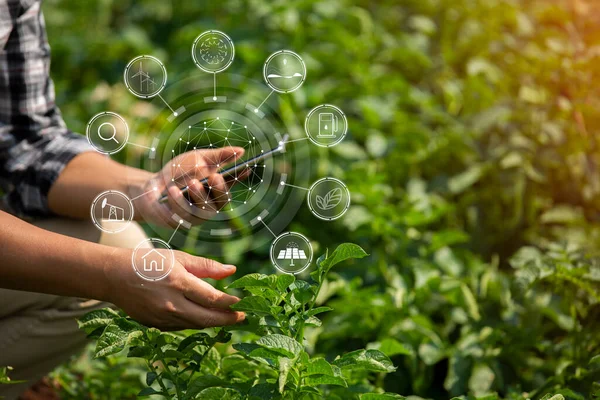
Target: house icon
{"x": 154, "y": 263}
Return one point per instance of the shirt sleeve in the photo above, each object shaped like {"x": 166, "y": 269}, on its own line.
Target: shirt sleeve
{"x": 35, "y": 144}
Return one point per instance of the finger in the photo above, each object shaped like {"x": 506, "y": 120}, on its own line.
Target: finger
{"x": 216, "y": 158}
{"x": 203, "y": 294}
{"x": 197, "y": 193}
{"x": 202, "y": 267}
{"x": 175, "y": 201}
{"x": 218, "y": 191}
{"x": 200, "y": 317}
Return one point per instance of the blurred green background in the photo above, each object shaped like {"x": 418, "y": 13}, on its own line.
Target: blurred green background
{"x": 472, "y": 160}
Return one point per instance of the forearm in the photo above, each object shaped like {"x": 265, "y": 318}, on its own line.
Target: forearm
{"x": 41, "y": 261}
{"x": 85, "y": 177}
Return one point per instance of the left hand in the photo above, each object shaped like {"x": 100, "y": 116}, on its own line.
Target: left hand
{"x": 189, "y": 169}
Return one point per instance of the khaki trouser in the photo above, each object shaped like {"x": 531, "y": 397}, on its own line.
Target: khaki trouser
{"x": 38, "y": 331}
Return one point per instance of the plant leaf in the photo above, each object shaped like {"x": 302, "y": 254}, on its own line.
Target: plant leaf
{"x": 116, "y": 336}
{"x": 330, "y": 200}
{"x": 97, "y": 319}
{"x": 369, "y": 360}
{"x": 282, "y": 344}
{"x": 254, "y": 304}
{"x": 343, "y": 252}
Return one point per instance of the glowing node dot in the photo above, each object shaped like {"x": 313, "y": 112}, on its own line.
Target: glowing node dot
{"x": 236, "y": 179}
{"x": 256, "y": 110}
{"x": 244, "y": 202}
{"x": 173, "y": 164}
{"x": 210, "y": 187}
{"x": 228, "y": 199}
{"x": 226, "y": 192}
{"x": 175, "y": 113}
{"x": 249, "y": 141}
{"x": 280, "y": 143}
{"x": 282, "y": 182}
{"x": 217, "y": 211}
{"x": 217, "y": 117}
{"x": 153, "y": 149}
{"x": 172, "y": 179}
{"x": 181, "y": 221}
{"x": 190, "y": 127}
{"x": 190, "y": 204}
{"x": 227, "y": 131}
{"x": 154, "y": 188}
{"x": 205, "y": 202}
{"x": 262, "y": 151}
{"x": 215, "y": 98}
{"x": 204, "y": 208}
{"x": 196, "y": 165}
{"x": 218, "y": 165}
{"x": 259, "y": 218}
{"x": 245, "y": 127}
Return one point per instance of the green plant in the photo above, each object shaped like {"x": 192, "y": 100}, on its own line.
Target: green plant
{"x": 274, "y": 366}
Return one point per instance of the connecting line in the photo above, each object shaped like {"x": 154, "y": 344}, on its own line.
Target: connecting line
{"x": 142, "y": 146}
{"x": 149, "y": 191}
{"x": 175, "y": 231}
{"x": 297, "y": 140}
{"x": 266, "y": 226}
{"x": 215, "y": 85}
{"x": 294, "y": 186}
{"x": 164, "y": 101}
{"x": 263, "y": 102}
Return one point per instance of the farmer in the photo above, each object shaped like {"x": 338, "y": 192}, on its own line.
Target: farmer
{"x": 51, "y": 264}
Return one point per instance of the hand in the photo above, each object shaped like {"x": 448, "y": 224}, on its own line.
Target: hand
{"x": 189, "y": 169}
{"x": 182, "y": 300}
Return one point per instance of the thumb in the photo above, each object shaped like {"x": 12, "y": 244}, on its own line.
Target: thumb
{"x": 206, "y": 268}
{"x": 216, "y": 158}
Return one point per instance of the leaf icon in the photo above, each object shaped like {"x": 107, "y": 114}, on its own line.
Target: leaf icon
{"x": 330, "y": 200}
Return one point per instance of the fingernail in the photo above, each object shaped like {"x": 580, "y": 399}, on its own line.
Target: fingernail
{"x": 229, "y": 267}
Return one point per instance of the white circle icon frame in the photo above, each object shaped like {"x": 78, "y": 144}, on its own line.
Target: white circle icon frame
{"x": 166, "y": 247}
{"x": 312, "y": 208}
{"x": 161, "y": 86}
{"x": 98, "y": 224}
{"x": 278, "y": 53}
{"x": 223, "y": 36}
{"x": 296, "y": 235}
{"x": 314, "y": 112}
{"x": 100, "y": 149}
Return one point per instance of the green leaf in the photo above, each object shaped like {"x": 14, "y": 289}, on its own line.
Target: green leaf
{"x": 97, "y": 319}
{"x": 369, "y": 360}
{"x": 218, "y": 393}
{"x": 202, "y": 382}
{"x": 316, "y": 380}
{"x": 253, "y": 304}
{"x": 302, "y": 292}
{"x": 151, "y": 377}
{"x": 284, "y": 281}
{"x": 285, "y": 365}
{"x": 148, "y": 391}
{"x": 318, "y": 366}
{"x": 254, "y": 280}
{"x": 116, "y": 336}
{"x": 391, "y": 347}
{"x": 282, "y": 344}
{"x": 343, "y": 252}
{"x": 318, "y": 310}
{"x": 381, "y": 396}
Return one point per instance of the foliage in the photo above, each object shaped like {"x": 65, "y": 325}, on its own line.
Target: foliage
{"x": 472, "y": 160}
{"x": 274, "y": 366}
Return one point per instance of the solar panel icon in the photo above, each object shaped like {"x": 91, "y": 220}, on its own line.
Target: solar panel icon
{"x": 292, "y": 252}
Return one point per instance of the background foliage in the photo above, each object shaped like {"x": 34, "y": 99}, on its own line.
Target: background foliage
{"x": 472, "y": 160}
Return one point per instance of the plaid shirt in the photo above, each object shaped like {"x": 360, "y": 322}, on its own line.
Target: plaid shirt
{"x": 35, "y": 144}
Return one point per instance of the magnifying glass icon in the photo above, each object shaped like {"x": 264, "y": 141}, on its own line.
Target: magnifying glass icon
{"x": 114, "y": 132}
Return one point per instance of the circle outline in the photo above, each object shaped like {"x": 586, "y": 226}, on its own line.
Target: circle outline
{"x": 294, "y": 55}
{"x": 100, "y": 150}
{"x": 99, "y": 225}
{"x": 311, "y": 208}
{"x": 280, "y": 269}
{"x": 167, "y": 247}
{"x": 307, "y": 130}
{"x": 147, "y": 96}
{"x": 226, "y": 37}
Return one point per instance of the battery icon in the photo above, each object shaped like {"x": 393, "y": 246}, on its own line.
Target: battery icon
{"x": 328, "y": 125}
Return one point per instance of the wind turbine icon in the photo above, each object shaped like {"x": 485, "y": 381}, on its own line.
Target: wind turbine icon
{"x": 144, "y": 78}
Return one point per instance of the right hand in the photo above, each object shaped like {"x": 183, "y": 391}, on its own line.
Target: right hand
{"x": 182, "y": 300}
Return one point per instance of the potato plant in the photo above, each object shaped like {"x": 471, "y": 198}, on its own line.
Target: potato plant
{"x": 186, "y": 365}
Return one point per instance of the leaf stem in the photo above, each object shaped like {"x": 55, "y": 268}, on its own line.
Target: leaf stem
{"x": 171, "y": 376}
